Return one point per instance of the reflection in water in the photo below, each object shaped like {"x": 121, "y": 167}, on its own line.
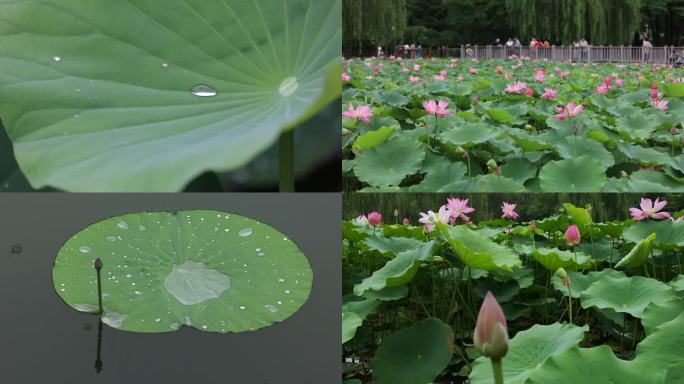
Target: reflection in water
{"x": 15, "y": 249}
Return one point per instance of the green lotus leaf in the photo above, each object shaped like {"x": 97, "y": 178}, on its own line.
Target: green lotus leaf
{"x": 673, "y": 89}
{"x": 414, "y": 355}
{"x": 145, "y": 95}
{"x": 663, "y": 347}
{"x": 529, "y": 143}
{"x": 574, "y": 147}
{"x": 389, "y": 163}
{"x": 579, "y": 216}
{"x": 392, "y": 245}
{"x": 659, "y": 313}
{"x": 675, "y": 374}
{"x": 372, "y": 139}
{"x": 644, "y": 155}
{"x": 667, "y": 233}
{"x": 500, "y": 115}
{"x": 361, "y": 306}
{"x": 470, "y": 134}
{"x": 579, "y": 282}
{"x": 677, "y": 283}
{"x": 519, "y": 169}
{"x": 477, "y": 250}
{"x": 638, "y": 255}
{"x": 350, "y": 321}
{"x": 393, "y": 97}
{"x": 528, "y": 350}
{"x": 553, "y": 258}
{"x": 583, "y": 174}
{"x": 441, "y": 177}
{"x": 626, "y": 294}
{"x": 211, "y": 270}
{"x": 398, "y": 271}
{"x": 493, "y": 183}
{"x": 678, "y": 163}
{"x": 636, "y": 125}
{"x": 653, "y": 181}
{"x": 590, "y": 365}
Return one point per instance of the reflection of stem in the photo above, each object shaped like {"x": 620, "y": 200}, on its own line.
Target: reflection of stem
{"x": 286, "y": 162}
{"x": 497, "y": 367}
{"x": 98, "y": 360}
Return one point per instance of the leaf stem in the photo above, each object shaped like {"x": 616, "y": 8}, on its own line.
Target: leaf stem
{"x": 497, "y": 367}
{"x": 286, "y": 162}
{"x": 570, "y": 302}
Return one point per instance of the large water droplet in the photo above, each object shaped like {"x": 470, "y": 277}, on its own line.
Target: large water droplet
{"x": 110, "y": 238}
{"x": 122, "y": 224}
{"x": 288, "y": 86}
{"x": 271, "y": 308}
{"x": 203, "y": 90}
{"x": 246, "y": 232}
{"x": 85, "y": 249}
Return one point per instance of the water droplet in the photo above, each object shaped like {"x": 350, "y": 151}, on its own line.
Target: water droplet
{"x": 122, "y": 224}
{"x": 110, "y": 238}
{"x": 204, "y": 327}
{"x": 129, "y": 275}
{"x": 85, "y": 249}
{"x": 281, "y": 280}
{"x": 157, "y": 320}
{"x": 175, "y": 325}
{"x": 246, "y": 232}
{"x": 288, "y": 86}
{"x": 242, "y": 307}
{"x": 271, "y": 308}
{"x": 165, "y": 65}
{"x": 142, "y": 228}
{"x": 287, "y": 291}
{"x": 203, "y": 90}
{"x": 138, "y": 293}
{"x": 258, "y": 249}
{"x": 57, "y": 59}
{"x": 261, "y": 254}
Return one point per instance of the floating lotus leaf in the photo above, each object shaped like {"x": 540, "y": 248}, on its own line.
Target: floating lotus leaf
{"x": 415, "y": 355}
{"x": 390, "y": 162}
{"x": 583, "y": 174}
{"x": 398, "y": 271}
{"x": 131, "y": 95}
{"x": 211, "y": 270}
{"x": 638, "y": 255}
{"x": 579, "y": 216}
{"x": 477, "y": 250}
{"x": 392, "y": 245}
{"x": 528, "y": 350}
{"x": 572, "y": 148}
{"x": 579, "y": 282}
{"x": 626, "y": 294}
{"x": 470, "y": 134}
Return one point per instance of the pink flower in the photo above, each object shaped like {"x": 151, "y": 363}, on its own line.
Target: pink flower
{"x": 459, "y": 208}
{"x": 507, "y": 76}
{"x": 570, "y": 111}
{"x": 362, "y": 112}
{"x": 414, "y": 79}
{"x": 430, "y": 219}
{"x": 406, "y": 221}
{"x": 443, "y": 73}
{"x": 659, "y": 104}
{"x": 529, "y": 92}
{"x": 619, "y": 82}
{"x": 439, "y": 78}
{"x": 345, "y": 76}
{"x": 602, "y": 89}
{"x": 405, "y": 70}
{"x": 432, "y": 107}
{"x": 376, "y": 70}
{"x": 572, "y": 235}
{"x": 491, "y": 333}
{"x": 564, "y": 74}
{"x": 361, "y": 220}
{"x": 549, "y": 94}
{"x": 499, "y": 69}
{"x": 472, "y": 70}
{"x": 650, "y": 209}
{"x": 416, "y": 68}
{"x": 375, "y": 219}
{"x": 508, "y": 210}
{"x": 517, "y": 87}
{"x": 539, "y": 76}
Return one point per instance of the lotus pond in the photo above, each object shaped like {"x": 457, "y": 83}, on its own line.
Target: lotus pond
{"x": 512, "y": 126}
{"x": 585, "y": 300}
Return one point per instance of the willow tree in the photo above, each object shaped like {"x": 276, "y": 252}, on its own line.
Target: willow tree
{"x": 601, "y": 22}
{"x": 376, "y": 22}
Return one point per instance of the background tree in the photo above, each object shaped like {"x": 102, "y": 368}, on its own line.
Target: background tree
{"x": 373, "y": 23}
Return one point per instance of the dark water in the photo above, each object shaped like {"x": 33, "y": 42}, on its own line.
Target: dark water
{"x": 42, "y": 340}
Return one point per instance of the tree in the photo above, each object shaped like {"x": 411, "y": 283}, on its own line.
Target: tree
{"x": 373, "y": 22}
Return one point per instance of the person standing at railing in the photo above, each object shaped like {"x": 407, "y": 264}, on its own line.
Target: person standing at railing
{"x": 584, "y": 49}
{"x": 647, "y": 48}
{"x": 517, "y": 45}
{"x": 509, "y": 47}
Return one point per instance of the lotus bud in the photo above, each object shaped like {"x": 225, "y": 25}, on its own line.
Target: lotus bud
{"x": 673, "y": 131}
{"x": 406, "y": 221}
{"x": 98, "y": 264}
{"x": 528, "y": 127}
{"x": 572, "y": 235}
{"x": 346, "y": 132}
{"x": 563, "y": 275}
{"x": 461, "y": 152}
{"x": 491, "y": 333}
{"x": 375, "y": 219}
{"x": 533, "y": 225}
{"x": 492, "y": 165}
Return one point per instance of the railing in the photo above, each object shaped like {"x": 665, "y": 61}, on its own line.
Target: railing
{"x": 591, "y": 54}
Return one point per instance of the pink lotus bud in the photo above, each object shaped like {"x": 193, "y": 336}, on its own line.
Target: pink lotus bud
{"x": 406, "y": 221}
{"x": 98, "y": 264}
{"x": 491, "y": 334}
{"x": 572, "y": 235}
{"x": 375, "y": 219}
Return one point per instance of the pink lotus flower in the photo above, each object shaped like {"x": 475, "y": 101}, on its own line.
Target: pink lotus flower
{"x": 439, "y": 78}
{"x": 459, "y": 208}
{"x": 406, "y": 221}
{"x": 430, "y": 219}
{"x": 539, "y": 76}
{"x": 529, "y": 92}
{"x": 499, "y": 69}
{"x": 375, "y": 219}
{"x": 659, "y": 104}
{"x": 416, "y": 68}
{"x": 602, "y": 89}
{"x": 472, "y": 70}
{"x": 508, "y": 210}
{"x": 569, "y": 111}
{"x": 491, "y": 330}
{"x": 432, "y": 107}
{"x": 549, "y": 94}
{"x": 376, "y": 70}
{"x": 619, "y": 82}
{"x": 443, "y": 73}
{"x": 361, "y": 220}
{"x": 405, "y": 71}
{"x": 507, "y": 76}
{"x": 345, "y": 76}
{"x": 517, "y": 87}
{"x": 414, "y": 79}
{"x": 362, "y": 112}
{"x": 564, "y": 74}
{"x": 572, "y": 235}
{"x": 650, "y": 209}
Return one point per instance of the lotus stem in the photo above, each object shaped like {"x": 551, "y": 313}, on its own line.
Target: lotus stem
{"x": 497, "y": 367}
{"x": 98, "y": 268}
{"x": 286, "y": 162}
{"x": 570, "y": 303}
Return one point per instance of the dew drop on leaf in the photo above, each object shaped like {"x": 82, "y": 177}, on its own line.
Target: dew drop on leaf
{"x": 203, "y": 90}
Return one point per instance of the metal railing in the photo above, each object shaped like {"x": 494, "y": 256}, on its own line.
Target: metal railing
{"x": 591, "y": 54}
